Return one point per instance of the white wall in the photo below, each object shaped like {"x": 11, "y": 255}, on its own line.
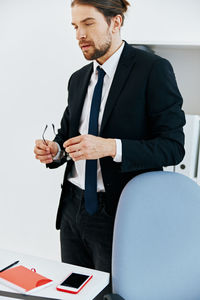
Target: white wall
{"x": 38, "y": 52}
{"x": 158, "y": 21}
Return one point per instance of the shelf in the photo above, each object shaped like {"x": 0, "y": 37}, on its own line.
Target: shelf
{"x": 166, "y": 44}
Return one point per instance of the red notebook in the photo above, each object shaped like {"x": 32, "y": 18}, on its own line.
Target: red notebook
{"x": 23, "y": 280}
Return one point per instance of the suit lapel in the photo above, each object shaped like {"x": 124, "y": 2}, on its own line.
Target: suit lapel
{"x": 125, "y": 65}
{"x": 78, "y": 100}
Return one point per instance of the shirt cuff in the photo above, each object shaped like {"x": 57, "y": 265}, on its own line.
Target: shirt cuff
{"x": 118, "y": 156}
{"x": 57, "y": 157}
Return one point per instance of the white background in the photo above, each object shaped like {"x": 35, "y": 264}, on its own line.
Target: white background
{"x": 38, "y": 52}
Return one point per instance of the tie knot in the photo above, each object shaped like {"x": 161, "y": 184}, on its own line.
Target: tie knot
{"x": 101, "y": 72}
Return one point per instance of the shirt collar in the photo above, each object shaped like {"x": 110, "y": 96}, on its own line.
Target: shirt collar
{"x": 110, "y": 64}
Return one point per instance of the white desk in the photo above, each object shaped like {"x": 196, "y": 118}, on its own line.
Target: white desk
{"x": 57, "y": 272}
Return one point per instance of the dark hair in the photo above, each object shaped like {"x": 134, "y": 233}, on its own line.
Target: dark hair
{"x": 109, "y": 8}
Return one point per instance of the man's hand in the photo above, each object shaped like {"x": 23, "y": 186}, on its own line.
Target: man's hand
{"x": 45, "y": 153}
{"x": 89, "y": 147}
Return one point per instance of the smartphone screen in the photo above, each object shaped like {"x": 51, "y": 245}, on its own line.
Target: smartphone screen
{"x": 75, "y": 280}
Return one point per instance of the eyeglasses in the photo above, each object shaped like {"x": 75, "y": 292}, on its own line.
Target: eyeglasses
{"x": 45, "y": 131}
{"x": 63, "y": 154}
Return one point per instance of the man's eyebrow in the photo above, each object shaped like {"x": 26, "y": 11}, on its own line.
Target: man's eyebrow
{"x": 85, "y": 20}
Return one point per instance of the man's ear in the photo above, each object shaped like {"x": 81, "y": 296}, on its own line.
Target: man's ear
{"x": 116, "y": 23}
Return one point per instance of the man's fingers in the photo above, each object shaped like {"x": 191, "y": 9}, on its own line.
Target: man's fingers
{"x": 72, "y": 141}
{"x": 44, "y": 159}
{"x": 72, "y": 149}
{"x": 78, "y": 155}
{"x": 38, "y": 151}
{"x": 41, "y": 145}
{"x": 44, "y": 153}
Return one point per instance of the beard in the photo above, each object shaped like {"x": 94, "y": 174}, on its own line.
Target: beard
{"x": 100, "y": 51}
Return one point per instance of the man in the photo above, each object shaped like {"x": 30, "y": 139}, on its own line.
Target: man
{"x": 138, "y": 128}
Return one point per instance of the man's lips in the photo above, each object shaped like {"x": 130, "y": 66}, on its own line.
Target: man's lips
{"x": 85, "y": 46}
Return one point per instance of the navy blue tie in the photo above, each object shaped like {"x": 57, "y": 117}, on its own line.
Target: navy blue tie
{"x": 91, "y": 201}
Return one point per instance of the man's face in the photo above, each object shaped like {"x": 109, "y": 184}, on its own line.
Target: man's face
{"x": 92, "y": 31}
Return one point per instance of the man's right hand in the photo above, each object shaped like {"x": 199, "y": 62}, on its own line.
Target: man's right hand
{"x": 45, "y": 153}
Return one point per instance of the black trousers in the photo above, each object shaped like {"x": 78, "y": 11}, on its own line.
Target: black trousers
{"x": 86, "y": 240}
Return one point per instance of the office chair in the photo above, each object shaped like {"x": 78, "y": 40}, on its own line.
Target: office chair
{"x": 156, "y": 242}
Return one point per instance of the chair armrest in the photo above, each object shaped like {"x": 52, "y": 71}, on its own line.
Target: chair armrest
{"x": 113, "y": 297}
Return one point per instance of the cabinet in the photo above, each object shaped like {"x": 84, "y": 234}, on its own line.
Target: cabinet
{"x": 185, "y": 59}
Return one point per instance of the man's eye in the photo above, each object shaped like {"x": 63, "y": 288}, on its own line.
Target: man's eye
{"x": 88, "y": 24}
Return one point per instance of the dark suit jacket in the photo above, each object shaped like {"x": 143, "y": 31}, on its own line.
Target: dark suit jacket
{"x": 143, "y": 109}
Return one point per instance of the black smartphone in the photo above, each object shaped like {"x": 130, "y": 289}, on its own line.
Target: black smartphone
{"x": 74, "y": 283}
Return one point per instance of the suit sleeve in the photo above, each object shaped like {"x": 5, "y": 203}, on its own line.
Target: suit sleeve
{"x": 166, "y": 119}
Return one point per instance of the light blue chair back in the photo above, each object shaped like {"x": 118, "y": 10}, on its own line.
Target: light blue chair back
{"x": 156, "y": 245}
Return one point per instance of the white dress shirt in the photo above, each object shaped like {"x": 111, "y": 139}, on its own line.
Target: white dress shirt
{"x": 77, "y": 175}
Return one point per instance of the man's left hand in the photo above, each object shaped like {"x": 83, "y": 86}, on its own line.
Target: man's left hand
{"x": 90, "y": 147}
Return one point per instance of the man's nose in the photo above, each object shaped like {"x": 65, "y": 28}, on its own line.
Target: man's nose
{"x": 80, "y": 34}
